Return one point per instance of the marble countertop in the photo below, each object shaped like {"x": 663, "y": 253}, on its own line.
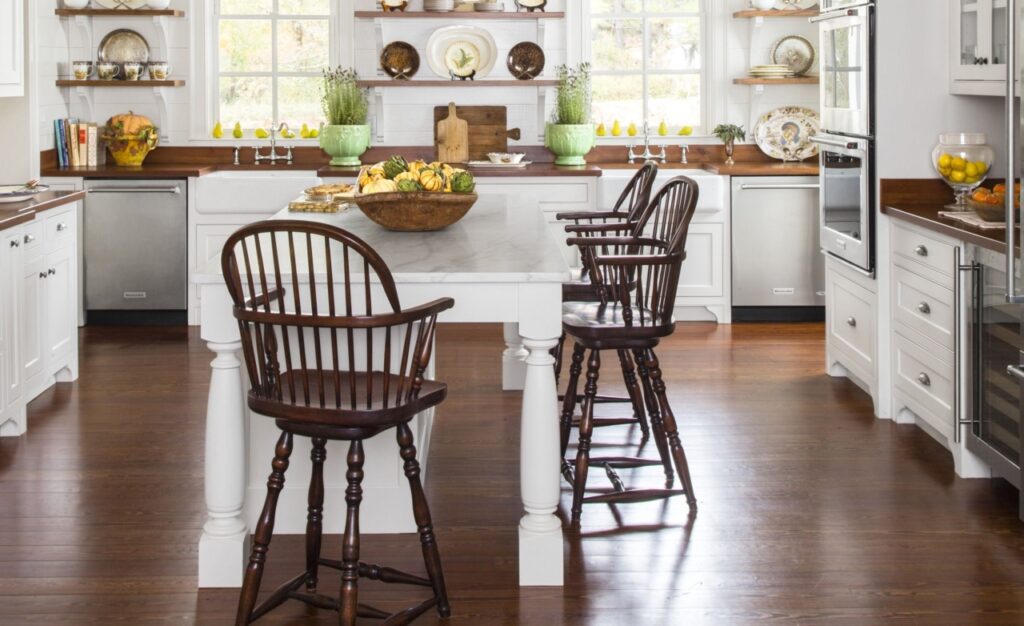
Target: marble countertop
{"x": 500, "y": 240}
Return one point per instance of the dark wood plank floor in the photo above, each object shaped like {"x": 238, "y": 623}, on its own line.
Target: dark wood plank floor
{"x": 811, "y": 511}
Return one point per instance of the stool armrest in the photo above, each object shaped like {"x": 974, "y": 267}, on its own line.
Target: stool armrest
{"x": 618, "y": 227}
{"x": 591, "y": 215}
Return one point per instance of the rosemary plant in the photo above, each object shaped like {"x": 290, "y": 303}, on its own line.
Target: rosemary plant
{"x": 345, "y": 104}
{"x": 573, "y": 103}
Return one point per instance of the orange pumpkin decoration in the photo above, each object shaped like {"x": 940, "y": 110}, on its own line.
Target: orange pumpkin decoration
{"x": 130, "y": 138}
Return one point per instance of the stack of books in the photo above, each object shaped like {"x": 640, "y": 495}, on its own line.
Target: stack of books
{"x": 77, "y": 143}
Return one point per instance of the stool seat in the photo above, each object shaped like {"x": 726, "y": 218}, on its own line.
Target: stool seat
{"x": 595, "y": 322}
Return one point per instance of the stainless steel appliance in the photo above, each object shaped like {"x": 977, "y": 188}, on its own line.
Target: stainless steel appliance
{"x": 776, "y": 264}
{"x": 846, "y": 141}
{"x": 135, "y": 251}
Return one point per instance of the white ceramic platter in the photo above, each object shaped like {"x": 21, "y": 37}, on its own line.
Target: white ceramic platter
{"x": 795, "y": 4}
{"x": 461, "y": 49}
{"x": 499, "y": 166}
{"x": 121, "y": 4}
{"x": 18, "y": 193}
{"x": 786, "y": 132}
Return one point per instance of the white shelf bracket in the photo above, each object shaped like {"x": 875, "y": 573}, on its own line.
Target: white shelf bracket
{"x": 160, "y": 25}
{"x": 85, "y": 96}
{"x": 84, "y": 24}
{"x": 160, "y": 93}
{"x": 378, "y": 114}
{"x": 378, "y": 36}
{"x": 542, "y": 97}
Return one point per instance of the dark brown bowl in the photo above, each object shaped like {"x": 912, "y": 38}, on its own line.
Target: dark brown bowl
{"x": 989, "y": 212}
{"x": 415, "y": 211}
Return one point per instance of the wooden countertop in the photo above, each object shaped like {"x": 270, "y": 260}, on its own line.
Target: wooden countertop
{"x": 926, "y": 215}
{"x": 161, "y": 170}
{"x": 20, "y": 212}
{"x": 801, "y": 168}
{"x": 536, "y": 169}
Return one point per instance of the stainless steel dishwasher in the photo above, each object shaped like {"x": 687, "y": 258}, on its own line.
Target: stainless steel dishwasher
{"x": 778, "y": 271}
{"x": 136, "y": 251}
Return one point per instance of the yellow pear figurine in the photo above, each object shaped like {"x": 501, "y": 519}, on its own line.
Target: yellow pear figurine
{"x": 314, "y": 133}
{"x": 304, "y": 131}
{"x": 616, "y": 129}
{"x": 631, "y": 131}
{"x": 237, "y": 132}
{"x": 686, "y": 131}
{"x": 601, "y": 132}
{"x": 218, "y": 130}
{"x": 663, "y": 128}
{"x": 261, "y": 133}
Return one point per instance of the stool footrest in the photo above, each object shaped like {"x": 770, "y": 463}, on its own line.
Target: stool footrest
{"x": 623, "y": 462}
{"x": 600, "y": 422}
{"x": 381, "y": 573}
{"x": 635, "y": 495}
{"x": 280, "y": 594}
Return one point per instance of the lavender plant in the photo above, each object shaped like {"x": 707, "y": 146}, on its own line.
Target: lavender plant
{"x": 574, "y": 95}
{"x": 344, "y": 102}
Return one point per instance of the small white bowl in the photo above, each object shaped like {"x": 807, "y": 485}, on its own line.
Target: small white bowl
{"x": 505, "y": 157}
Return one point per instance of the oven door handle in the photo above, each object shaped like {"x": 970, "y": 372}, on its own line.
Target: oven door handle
{"x": 1013, "y": 132}
{"x": 849, "y": 145}
{"x": 848, "y": 11}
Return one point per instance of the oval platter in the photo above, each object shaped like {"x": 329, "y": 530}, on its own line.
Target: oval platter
{"x": 785, "y": 133}
{"x": 461, "y": 50}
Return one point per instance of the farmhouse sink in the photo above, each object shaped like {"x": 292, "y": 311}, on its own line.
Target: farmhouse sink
{"x": 251, "y": 192}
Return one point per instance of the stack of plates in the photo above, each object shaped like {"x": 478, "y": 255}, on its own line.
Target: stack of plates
{"x": 490, "y": 7}
{"x": 438, "y": 5}
{"x": 771, "y": 71}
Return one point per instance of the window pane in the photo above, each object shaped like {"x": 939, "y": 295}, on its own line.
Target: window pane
{"x": 675, "y": 99}
{"x": 246, "y": 7}
{"x": 298, "y": 101}
{"x": 618, "y": 98}
{"x": 673, "y": 6}
{"x": 246, "y": 100}
{"x": 617, "y": 44}
{"x": 675, "y": 43}
{"x": 245, "y": 46}
{"x": 302, "y": 45}
{"x": 304, "y": 7}
{"x": 614, "y": 6}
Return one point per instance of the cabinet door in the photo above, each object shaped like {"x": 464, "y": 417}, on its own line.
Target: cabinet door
{"x": 7, "y": 249}
{"x": 59, "y": 303}
{"x": 978, "y": 39}
{"x": 30, "y": 323}
{"x": 703, "y": 271}
{"x": 12, "y": 27}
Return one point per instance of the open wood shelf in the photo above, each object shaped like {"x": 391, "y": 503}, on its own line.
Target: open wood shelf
{"x": 71, "y": 82}
{"x": 120, "y": 12}
{"x": 480, "y": 15}
{"x": 749, "y": 13}
{"x": 458, "y": 83}
{"x": 791, "y": 80}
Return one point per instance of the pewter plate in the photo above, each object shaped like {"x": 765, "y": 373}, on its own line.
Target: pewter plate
{"x": 795, "y": 52}
{"x": 124, "y": 46}
{"x": 786, "y": 132}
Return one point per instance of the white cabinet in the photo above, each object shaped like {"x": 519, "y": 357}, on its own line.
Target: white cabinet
{"x": 851, "y": 326}
{"x": 12, "y": 48}
{"x": 978, "y": 47}
{"x": 12, "y": 412}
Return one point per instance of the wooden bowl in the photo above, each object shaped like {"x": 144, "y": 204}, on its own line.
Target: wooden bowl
{"x": 989, "y": 212}
{"x": 415, "y": 211}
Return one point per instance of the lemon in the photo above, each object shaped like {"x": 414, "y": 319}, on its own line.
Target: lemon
{"x": 957, "y": 176}
{"x": 945, "y": 160}
{"x": 601, "y": 132}
{"x": 616, "y": 129}
{"x": 262, "y": 133}
{"x": 304, "y": 131}
{"x": 958, "y": 164}
{"x": 663, "y": 128}
{"x": 969, "y": 179}
{"x": 971, "y": 170}
{"x": 237, "y": 132}
{"x": 686, "y": 131}
{"x": 218, "y": 130}
{"x": 982, "y": 167}
{"x": 945, "y": 172}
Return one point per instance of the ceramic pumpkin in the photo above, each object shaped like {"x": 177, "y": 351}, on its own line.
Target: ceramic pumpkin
{"x": 130, "y": 138}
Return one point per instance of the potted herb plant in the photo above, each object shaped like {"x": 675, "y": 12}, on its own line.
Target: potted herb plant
{"x": 729, "y": 134}
{"x": 571, "y": 135}
{"x": 347, "y": 135}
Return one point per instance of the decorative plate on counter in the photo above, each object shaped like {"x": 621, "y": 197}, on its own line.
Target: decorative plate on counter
{"x": 461, "y": 51}
{"x": 794, "y": 52}
{"x": 19, "y": 193}
{"x": 525, "y": 60}
{"x": 400, "y": 60}
{"x": 124, "y": 46}
{"x": 122, "y": 4}
{"x": 786, "y": 132}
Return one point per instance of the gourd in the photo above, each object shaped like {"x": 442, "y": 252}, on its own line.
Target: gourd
{"x": 462, "y": 182}
{"x": 382, "y": 185}
{"x": 407, "y": 176}
{"x": 416, "y": 166}
{"x": 432, "y": 180}
{"x": 394, "y": 166}
{"x": 409, "y": 185}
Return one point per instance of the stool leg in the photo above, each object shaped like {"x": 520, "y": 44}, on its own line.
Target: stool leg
{"x": 672, "y": 431}
{"x": 586, "y": 430}
{"x": 315, "y": 516}
{"x": 421, "y": 511}
{"x": 651, "y": 400}
{"x": 557, "y": 352}
{"x": 264, "y": 531}
{"x": 349, "y": 602}
{"x": 569, "y": 402}
{"x": 635, "y": 395}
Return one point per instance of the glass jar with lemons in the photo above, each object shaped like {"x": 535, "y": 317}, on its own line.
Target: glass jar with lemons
{"x": 963, "y": 160}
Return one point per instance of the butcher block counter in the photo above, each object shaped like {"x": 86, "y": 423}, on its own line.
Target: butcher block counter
{"x": 16, "y": 213}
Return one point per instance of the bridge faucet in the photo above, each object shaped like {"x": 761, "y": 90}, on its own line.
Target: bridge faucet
{"x": 274, "y": 157}
{"x": 647, "y": 155}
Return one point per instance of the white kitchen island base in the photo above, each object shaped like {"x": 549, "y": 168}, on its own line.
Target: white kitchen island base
{"x": 500, "y": 264}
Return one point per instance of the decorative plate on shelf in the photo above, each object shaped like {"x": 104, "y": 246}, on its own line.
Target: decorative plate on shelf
{"x": 124, "y": 46}
{"x": 794, "y": 52}
{"x": 121, "y": 4}
{"x": 461, "y": 51}
{"x": 792, "y": 5}
{"x": 525, "y": 60}
{"x": 786, "y": 132}
{"x": 400, "y": 60}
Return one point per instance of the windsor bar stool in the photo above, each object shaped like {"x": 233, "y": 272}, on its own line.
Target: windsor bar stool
{"x": 313, "y": 302}
{"x": 637, "y": 277}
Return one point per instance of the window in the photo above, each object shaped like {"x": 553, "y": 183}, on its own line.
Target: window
{"x": 270, "y": 57}
{"x": 647, "y": 58}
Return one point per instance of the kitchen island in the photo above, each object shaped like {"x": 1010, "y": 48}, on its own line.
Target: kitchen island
{"x": 501, "y": 264}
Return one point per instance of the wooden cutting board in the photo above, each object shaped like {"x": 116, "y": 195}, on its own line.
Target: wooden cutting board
{"x": 451, "y": 136}
{"x": 488, "y": 130}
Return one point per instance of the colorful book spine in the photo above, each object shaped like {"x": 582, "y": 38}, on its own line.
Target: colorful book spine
{"x": 92, "y": 146}
{"x": 58, "y": 140}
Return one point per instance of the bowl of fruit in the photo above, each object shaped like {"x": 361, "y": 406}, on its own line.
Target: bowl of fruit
{"x": 963, "y": 160}
{"x": 415, "y": 196}
{"x": 990, "y": 204}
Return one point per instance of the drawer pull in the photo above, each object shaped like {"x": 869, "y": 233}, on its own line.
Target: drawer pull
{"x": 51, "y": 271}
{"x": 42, "y": 274}
{"x": 924, "y": 379}
{"x": 924, "y": 308}
{"x": 15, "y": 243}
{"x": 921, "y": 251}
{"x": 29, "y": 238}
{"x": 61, "y": 227}
{"x": 851, "y": 322}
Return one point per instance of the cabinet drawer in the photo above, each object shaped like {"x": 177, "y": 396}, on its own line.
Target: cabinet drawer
{"x": 924, "y": 306}
{"x": 922, "y": 249}
{"x": 851, "y": 319}
{"x": 59, "y": 230}
{"x": 923, "y": 378}
{"x": 32, "y": 237}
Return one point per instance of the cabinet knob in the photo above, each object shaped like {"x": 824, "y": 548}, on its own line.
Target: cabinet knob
{"x": 924, "y": 308}
{"x": 924, "y": 379}
{"x": 42, "y": 274}
{"x": 29, "y": 238}
{"x": 61, "y": 227}
{"x": 851, "y": 321}
{"x": 921, "y": 251}
{"x": 15, "y": 243}
{"x": 51, "y": 271}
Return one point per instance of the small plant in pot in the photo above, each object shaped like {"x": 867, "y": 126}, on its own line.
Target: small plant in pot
{"x": 347, "y": 135}
{"x": 729, "y": 134}
{"x": 571, "y": 135}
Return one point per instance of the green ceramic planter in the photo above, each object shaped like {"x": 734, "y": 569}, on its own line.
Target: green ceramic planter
{"x": 345, "y": 144}
{"x": 569, "y": 142}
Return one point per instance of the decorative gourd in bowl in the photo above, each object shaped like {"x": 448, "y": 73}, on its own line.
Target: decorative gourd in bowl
{"x": 416, "y": 196}
{"x": 130, "y": 138}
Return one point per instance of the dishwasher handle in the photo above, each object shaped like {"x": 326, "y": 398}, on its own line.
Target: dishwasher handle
{"x": 174, "y": 190}
{"x": 747, "y": 186}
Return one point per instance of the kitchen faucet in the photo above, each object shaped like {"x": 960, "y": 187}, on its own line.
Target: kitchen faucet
{"x": 274, "y": 157}
{"x": 647, "y": 154}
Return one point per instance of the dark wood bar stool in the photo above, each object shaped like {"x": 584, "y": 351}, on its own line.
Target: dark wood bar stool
{"x": 305, "y": 296}
{"x": 637, "y": 277}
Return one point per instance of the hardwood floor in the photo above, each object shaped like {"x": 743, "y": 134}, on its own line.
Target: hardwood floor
{"x": 811, "y": 511}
